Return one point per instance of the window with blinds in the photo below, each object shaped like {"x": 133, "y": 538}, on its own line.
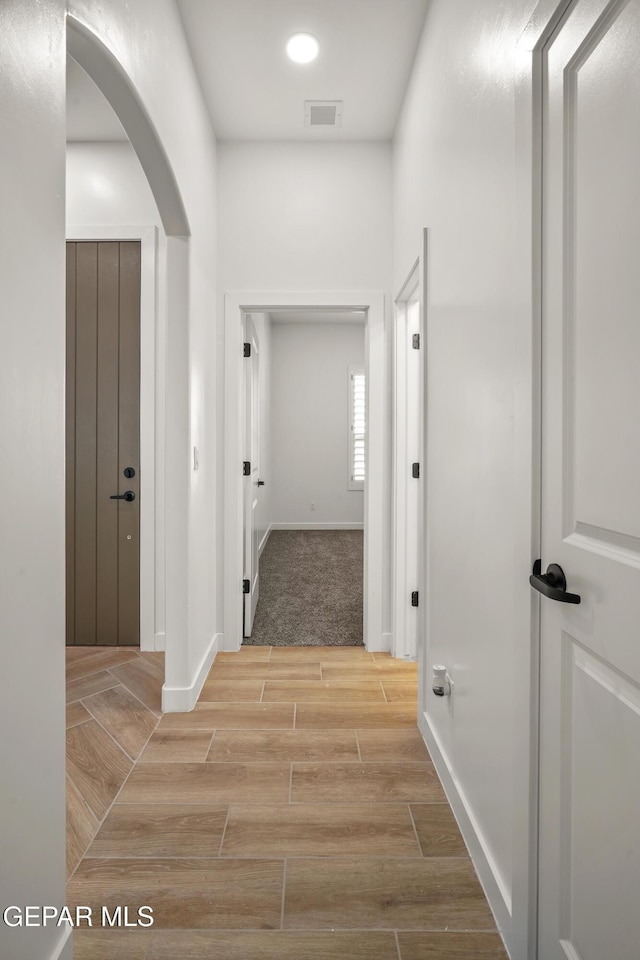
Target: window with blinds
{"x": 357, "y": 429}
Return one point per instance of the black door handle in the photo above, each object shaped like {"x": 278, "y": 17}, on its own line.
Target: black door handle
{"x": 552, "y": 584}
{"x": 261, "y": 483}
{"x": 129, "y": 495}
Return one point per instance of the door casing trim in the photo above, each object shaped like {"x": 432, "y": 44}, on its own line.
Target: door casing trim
{"x": 519, "y": 925}
{"x": 402, "y": 585}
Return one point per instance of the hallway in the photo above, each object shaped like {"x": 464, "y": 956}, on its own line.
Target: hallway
{"x": 295, "y": 813}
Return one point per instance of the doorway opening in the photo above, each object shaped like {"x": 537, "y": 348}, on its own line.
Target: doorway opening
{"x": 296, "y": 329}
{"x": 116, "y": 254}
{"x": 164, "y": 237}
{"x": 304, "y": 477}
{"x": 121, "y": 188}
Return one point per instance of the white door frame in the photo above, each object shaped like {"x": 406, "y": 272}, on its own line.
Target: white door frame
{"x": 264, "y": 302}
{"x": 404, "y": 583}
{"x": 517, "y": 917}
{"x": 151, "y": 394}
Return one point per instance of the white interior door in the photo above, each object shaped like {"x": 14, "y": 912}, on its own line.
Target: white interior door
{"x": 590, "y": 653}
{"x": 409, "y": 466}
{"x": 252, "y": 474}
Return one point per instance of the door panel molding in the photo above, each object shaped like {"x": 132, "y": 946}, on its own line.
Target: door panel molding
{"x": 152, "y": 392}
{"x": 619, "y": 545}
{"x": 591, "y": 400}
{"x": 592, "y": 850}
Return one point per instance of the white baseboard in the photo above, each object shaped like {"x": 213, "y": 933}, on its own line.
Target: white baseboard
{"x": 64, "y": 948}
{"x": 378, "y": 644}
{"x": 230, "y": 646}
{"x": 183, "y": 699}
{"x": 338, "y": 525}
{"x": 263, "y": 542}
{"x": 492, "y": 884}
{"x": 149, "y": 644}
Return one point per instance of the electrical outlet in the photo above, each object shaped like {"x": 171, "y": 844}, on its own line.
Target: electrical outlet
{"x": 312, "y": 505}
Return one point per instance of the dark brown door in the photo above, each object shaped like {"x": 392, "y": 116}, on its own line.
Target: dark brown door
{"x": 103, "y": 443}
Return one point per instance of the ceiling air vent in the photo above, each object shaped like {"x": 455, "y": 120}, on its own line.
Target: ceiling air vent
{"x": 323, "y": 113}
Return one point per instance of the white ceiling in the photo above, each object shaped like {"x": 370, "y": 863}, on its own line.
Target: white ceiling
{"x": 255, "y": 92}
{"x": 89, "y": 115}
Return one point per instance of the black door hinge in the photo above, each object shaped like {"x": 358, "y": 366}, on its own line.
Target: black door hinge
{"x": 246, "y": 468}
{"x": 415, "y": 471}
{"x": 414, "y": 598}
{"x": 247, "y": 349}
{"x": 415, "y": 341}
{"x": 246, "y": 586}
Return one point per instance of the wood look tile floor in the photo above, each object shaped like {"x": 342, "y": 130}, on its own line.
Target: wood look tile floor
{"x": 295, "y": 813}
{"x": 108, "y": 725}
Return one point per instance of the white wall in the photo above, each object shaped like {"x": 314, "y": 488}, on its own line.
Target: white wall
{"x": 146, "y": 39}
{"x": 310, "y": 424}
{"x": 106, "y": 186}
{"x": 455, "y": 173}
{"x": 304, "y": 216}
{"x": 32, "y": 796}
{"x": 313, "y": 217}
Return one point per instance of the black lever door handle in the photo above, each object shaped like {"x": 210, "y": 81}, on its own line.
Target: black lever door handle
{"x": 128, "y": 495}
{"x": 552, "y": 584}
{"x": 261, "y": 483}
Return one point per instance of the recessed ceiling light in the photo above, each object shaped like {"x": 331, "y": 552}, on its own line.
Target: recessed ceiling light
{"x": 302, "y": 48}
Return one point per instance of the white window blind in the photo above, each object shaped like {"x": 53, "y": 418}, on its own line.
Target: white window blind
{"x": 358, "y": 429}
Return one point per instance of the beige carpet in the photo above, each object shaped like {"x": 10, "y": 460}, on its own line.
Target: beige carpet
{"x": 310, "y": 589}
